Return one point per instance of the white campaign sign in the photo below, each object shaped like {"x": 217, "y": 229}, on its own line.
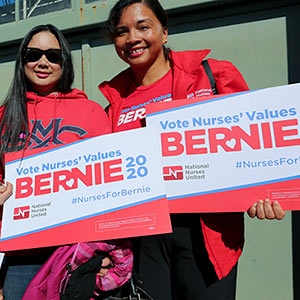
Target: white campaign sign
{"x": 81, "y": 180}
{"x": 232, "y": 142}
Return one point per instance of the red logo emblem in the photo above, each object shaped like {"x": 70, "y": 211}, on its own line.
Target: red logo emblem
{"x": 21, "y": 212}
{"x": 173, "y": 173}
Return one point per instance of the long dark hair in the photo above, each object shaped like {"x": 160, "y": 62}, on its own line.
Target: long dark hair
{"x": 14, "y": 118}
{"x": 117, "y": 10}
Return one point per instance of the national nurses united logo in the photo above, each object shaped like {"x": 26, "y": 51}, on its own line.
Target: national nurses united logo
{"x": 173, "y": 173}
{"x": 21, "y": 212}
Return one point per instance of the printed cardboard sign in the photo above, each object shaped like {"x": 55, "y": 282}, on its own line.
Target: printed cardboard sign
{"x": 227, "y": 152}
{"x": 102, "y": 188}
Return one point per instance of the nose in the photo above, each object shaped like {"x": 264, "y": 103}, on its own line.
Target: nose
{"x": 133, "y": 36}
{"x": 43, "y": 61}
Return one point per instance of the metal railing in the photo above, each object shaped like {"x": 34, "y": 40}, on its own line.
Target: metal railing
{"x": 11, "y": 10}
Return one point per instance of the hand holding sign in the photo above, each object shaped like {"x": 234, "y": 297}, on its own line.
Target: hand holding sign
{"x": 6, "y": 190}
{"x": 264, "y": 209}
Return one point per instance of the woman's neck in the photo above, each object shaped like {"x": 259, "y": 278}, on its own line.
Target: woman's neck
{"x": 150, "y": 75}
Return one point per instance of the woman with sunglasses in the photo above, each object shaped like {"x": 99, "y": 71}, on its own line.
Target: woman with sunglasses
{"x": 199, "y": 259}
{"x": 41, "y": 110}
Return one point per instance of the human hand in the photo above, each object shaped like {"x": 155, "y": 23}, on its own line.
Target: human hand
{"x": 264, "y": 209}
{"x": 5, "y": 191}
{"x": 1, "y": 294}
{"x": 106, "y": 263}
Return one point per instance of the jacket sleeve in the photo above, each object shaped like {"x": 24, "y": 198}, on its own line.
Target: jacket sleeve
{"x": 228, "y": 78}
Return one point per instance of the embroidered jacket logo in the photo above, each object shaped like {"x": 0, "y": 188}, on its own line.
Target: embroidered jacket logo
{"x": 42, "y": 136}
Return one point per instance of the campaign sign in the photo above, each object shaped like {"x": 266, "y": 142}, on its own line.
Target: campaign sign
{"x": 227, "y": 152}
{"x": 101, "y": 188}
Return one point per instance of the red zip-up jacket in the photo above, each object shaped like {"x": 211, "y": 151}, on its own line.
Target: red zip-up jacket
{"x": 223, "y": 232}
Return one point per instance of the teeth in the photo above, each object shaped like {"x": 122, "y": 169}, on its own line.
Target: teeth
{"x": 136, "y": 51}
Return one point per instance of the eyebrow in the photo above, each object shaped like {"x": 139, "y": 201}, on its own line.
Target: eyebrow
{"x": 138, "y": 22}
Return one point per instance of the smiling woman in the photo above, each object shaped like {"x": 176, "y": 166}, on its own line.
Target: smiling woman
{"x": 42, "y": 110}
{"x": 43, "y": 63}
{"x": 138, "y": 40}
{"x": 198, "y": 260}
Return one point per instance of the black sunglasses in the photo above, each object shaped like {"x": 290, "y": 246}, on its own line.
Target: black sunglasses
{"x": 34, "y": 54}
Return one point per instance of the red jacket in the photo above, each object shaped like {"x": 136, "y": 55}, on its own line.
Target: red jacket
{"x": 223, "y": 232}
{"x": 59, "y": 119}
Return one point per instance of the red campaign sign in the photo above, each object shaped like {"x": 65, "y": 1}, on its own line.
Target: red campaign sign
{"x": 226, "y": 152}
